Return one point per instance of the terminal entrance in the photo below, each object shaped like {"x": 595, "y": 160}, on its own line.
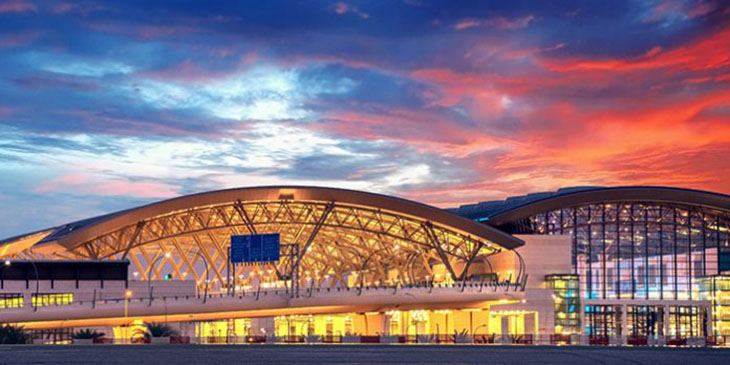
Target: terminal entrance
{"x": 603, "y": 320}
{"x": 687, "y": 321}
{"x": 644, "y": 320}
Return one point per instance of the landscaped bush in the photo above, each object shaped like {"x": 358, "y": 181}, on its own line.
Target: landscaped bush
{"x": 161, "y": 330}
{"x": 12, "y": 335}
{"x": 462, "y": 337}
{"x": 87, "y": 334}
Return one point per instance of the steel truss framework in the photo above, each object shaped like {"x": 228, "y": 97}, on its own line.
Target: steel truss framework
{"x": 340, "y": 244}
{"x": 638, "y": 250}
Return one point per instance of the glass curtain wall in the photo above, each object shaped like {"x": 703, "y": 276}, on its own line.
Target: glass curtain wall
{"x": 639, "y": 250}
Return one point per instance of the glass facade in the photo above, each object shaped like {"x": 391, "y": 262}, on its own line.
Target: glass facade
{"x": 639, "y": 250}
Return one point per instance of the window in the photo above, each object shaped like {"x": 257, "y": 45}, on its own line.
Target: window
{"x": 11, "y": 300}
{"x": 49, "y": 299}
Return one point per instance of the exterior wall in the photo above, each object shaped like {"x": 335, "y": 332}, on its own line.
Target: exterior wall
{"x": 543, "y": 255}
{"x": 374, "y": 324}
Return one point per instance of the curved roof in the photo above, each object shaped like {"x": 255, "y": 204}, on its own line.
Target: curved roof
{"x": 584, "y": 196}
{"x": 75, "y": 233}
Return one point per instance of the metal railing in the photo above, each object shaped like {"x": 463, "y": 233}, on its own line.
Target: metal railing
{"x": 257, "y": 294}
{"x": 490, "y": 339}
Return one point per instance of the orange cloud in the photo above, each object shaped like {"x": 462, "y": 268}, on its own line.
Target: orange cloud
{"x": 705, "y": 54}
{"x": 660, "y": 136}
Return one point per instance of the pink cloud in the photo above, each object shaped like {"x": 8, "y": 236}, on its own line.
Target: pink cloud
{"x": 701, "y": 8}
{"x": 666, "y": 9}
{"x": 342, "y": 8}
{"x": 499, "y": 22}
{"x": 18, "y": 39}
{"x": 77, "y": 183}
{"x": 143, "y": 32}
{"x": 507, "y": 23}
{"x": 466, "y": 24}
{"x": 5, "y": 111}
{"x": 66, "y": 8}
{"x": 188, "y": 71}
{"x": 17, "y": 7}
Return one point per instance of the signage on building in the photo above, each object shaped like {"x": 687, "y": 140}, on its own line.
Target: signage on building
{"x": 255, "y": 248}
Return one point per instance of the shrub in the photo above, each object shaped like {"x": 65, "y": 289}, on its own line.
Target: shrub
{"x": 87, "y": 334}
{"x": 160, "y": 330}
{"x": 11, "y": 335}
{"x": 462, "y": 336}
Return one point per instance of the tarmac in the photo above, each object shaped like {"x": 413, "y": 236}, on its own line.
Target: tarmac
{"x": 356, "y": 354}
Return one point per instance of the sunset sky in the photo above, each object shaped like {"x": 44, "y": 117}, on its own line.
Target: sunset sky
{"x": 109, "y": 105}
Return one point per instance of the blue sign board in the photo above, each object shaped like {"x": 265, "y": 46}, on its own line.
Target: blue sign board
{"x": 255, "y": 248}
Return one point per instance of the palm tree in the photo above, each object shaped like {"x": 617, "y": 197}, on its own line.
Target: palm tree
{"x": 10, "y": 335}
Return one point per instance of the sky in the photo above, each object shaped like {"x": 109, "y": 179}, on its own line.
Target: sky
{"x": 109, "y": 105}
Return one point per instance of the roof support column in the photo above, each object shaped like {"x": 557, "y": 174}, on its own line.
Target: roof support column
{"x": 428, "y": 227}
{"x": 473, "y": 255}
{"x": 316, "y": 229}
{"x": 244, "y": 216}
{"x": 130, "y": 243}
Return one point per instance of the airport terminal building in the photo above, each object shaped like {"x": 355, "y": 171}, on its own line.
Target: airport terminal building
{"x": 619, "y": 265}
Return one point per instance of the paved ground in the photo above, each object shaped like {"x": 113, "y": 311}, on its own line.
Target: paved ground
{"x": 352, "y": 354}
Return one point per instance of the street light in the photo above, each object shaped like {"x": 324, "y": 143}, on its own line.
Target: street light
{"x": 127, "y": 296}
{"x": 477, "y": 329}
{"x": 149, "y": 274}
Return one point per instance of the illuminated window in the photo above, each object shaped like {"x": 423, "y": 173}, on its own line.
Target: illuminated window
{"x": 11, "y": 300}
{"x": 49, "y": 299}
{"x": 348, "y": 325}
{"x": 394, "y": 323}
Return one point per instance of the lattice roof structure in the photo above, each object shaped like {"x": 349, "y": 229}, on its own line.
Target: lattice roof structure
{"x": 340, "y": 234}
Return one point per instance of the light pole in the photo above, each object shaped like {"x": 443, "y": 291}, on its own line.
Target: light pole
{"x": 6, "y": 263}
{"x": 127, "y": 296}
{"x": 306, "y": 323}
{"x": 478, "y": 327}
{"x": 37, "y": 286}
{"x": 149, "y": 274}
